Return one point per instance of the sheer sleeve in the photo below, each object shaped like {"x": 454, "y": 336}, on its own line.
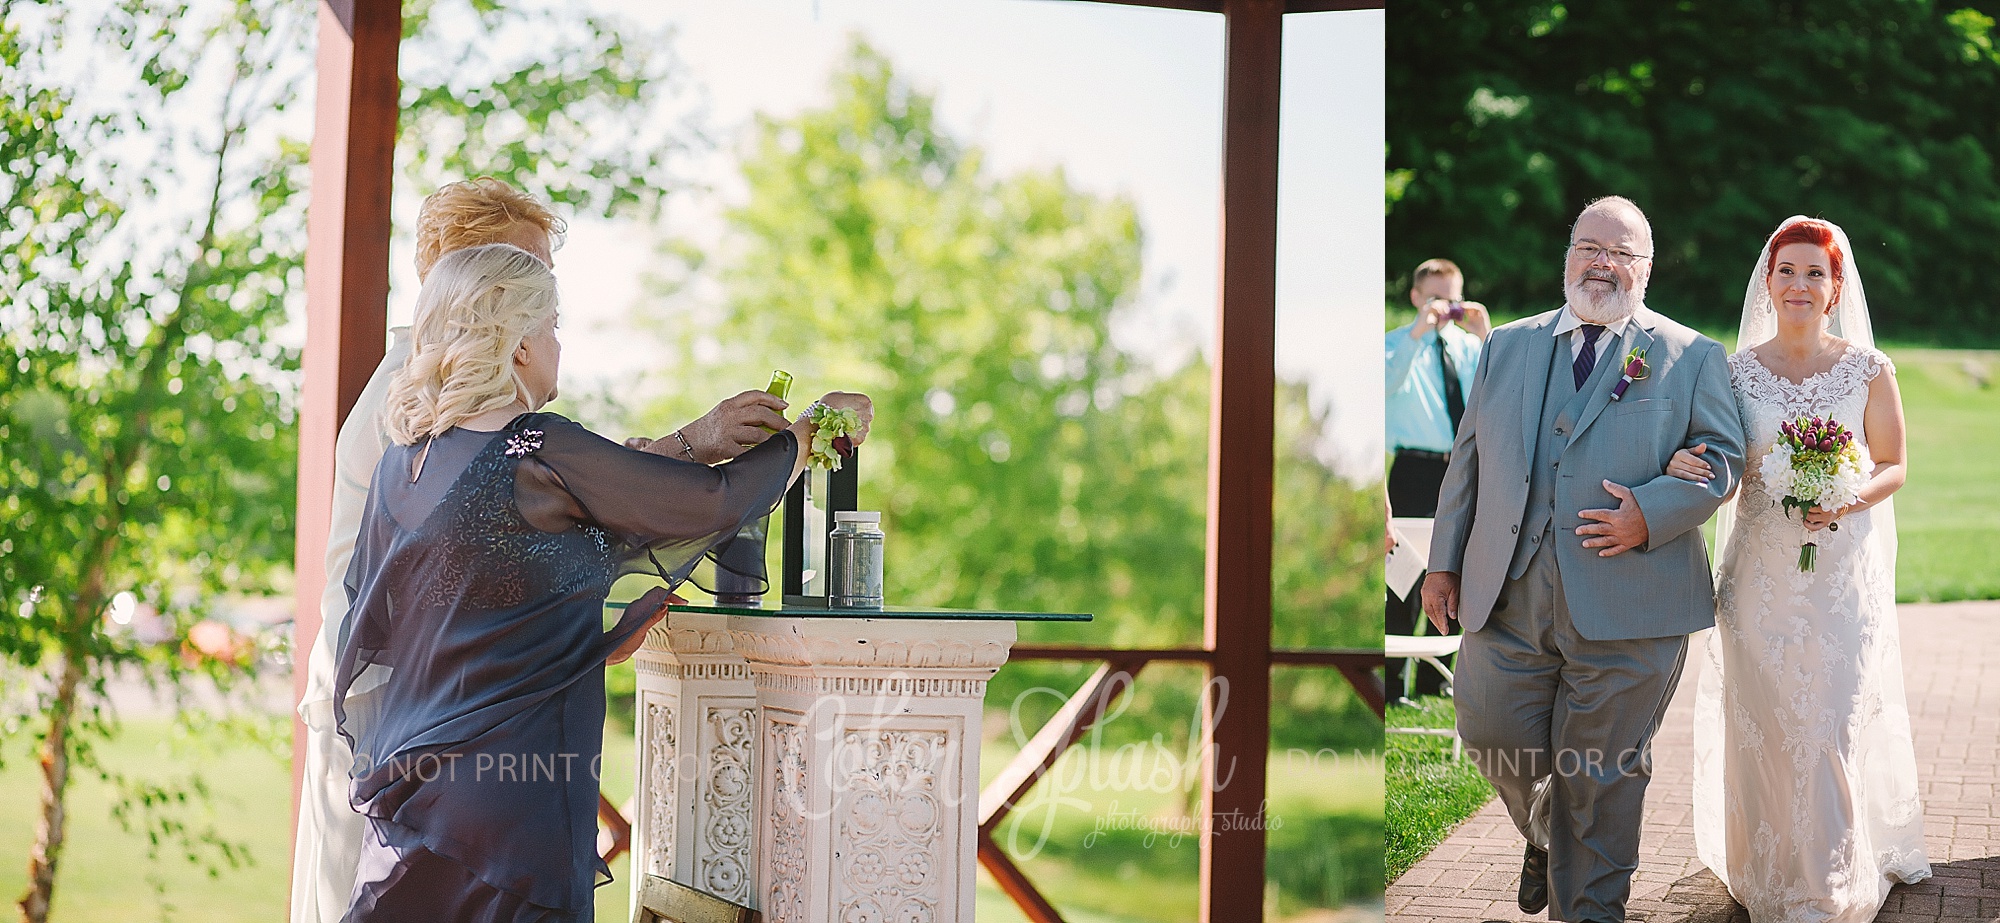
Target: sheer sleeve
{"x": 663, "y": 511}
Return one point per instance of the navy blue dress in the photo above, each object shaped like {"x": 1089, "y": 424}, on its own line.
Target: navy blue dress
{"x": 477, "y": 592}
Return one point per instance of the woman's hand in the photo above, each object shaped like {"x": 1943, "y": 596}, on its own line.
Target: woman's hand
{"x": 1817, "y": 519}
{"x": 734, "y": 425}
{"x": 656, "y": 600}
{"x": 862, "y": 407}
{"x": 1687, "y": 464}
{"x": 803, "y": 428}
{"x": 841, "y": 400}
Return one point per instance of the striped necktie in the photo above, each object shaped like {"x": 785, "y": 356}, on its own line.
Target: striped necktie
{"x": 1586, "y": 359}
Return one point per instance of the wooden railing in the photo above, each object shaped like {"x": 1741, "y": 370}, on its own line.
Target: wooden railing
{"x": 1084, "y": 709}
{"x": 1087, "y": 706}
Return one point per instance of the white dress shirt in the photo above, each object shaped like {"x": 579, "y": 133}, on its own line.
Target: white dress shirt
{"x": 1568, "y": 323}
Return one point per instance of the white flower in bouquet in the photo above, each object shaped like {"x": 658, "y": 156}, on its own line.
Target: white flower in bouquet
{"x": 1814, "y": 463}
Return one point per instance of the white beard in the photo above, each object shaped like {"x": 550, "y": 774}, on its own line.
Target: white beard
{"x": 1594, "y": 307}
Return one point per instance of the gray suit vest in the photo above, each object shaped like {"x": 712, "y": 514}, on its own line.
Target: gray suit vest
{"x": 1562, "y": 403}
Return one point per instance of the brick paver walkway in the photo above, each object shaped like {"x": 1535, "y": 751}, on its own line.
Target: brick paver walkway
{"x": 1951, "y": 659}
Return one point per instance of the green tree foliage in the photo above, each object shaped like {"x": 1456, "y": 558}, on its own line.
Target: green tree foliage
{"x": 152, "y": 234}
{"x": 524, "y": 92}
{"x": 149, "y": 449}
{"x": 1021, "y": 459}
{"x": 1719, "y": 119}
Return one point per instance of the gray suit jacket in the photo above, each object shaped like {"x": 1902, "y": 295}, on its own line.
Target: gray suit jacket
{"x": 1660, "y": 590}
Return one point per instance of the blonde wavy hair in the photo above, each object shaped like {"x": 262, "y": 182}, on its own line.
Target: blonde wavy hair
{"x": 473, "y": 312}
{"x": 477, "y": 211}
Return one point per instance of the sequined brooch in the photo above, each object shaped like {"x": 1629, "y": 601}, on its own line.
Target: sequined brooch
{"x": 524, "y": 443}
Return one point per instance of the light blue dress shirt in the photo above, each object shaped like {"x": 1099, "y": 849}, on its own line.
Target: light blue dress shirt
{"x": 1414, "y": 391}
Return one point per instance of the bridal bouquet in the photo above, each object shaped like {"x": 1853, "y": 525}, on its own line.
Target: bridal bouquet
{"x": 1814, "y": 463}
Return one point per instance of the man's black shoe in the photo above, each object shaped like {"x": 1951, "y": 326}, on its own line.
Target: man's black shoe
{"x": 1534, "y": 894}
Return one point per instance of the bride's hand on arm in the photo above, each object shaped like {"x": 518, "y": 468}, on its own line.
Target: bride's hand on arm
{"x": 1689, "y": 465}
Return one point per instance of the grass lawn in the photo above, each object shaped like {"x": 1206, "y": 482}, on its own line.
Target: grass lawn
{"x": 1948, "y": 515}
{"x": 104, "y": 872}
{"x": 1427, "y": 791}
{"x": 1325, "y": 836}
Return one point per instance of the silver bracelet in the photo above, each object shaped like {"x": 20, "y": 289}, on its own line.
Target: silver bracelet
{"x": 685, "y": 447}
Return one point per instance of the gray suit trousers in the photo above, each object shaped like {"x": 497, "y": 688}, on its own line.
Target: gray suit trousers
{"x": 1563, "y": 726}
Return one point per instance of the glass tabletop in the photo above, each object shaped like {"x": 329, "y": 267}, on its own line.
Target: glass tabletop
{"x": 815, "y": 608}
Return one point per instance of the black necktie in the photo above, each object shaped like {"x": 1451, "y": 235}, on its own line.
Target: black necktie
{"x": 1454, "y": 395}
{"x": 1586, "y": 360}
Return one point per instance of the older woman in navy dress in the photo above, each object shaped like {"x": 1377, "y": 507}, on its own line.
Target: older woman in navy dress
{"x": 493, "y": 535}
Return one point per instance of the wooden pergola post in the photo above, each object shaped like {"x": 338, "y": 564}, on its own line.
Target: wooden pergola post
{"x": 347, "y": 283}
{"x": 1237, "y": 605}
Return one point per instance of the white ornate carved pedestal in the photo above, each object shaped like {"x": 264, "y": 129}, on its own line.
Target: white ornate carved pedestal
{"x": 697, "y": 723}
{"x": 868, "y": 791}
{"x": 833, "y": 760}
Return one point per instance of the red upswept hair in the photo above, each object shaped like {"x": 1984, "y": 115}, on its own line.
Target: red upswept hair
{"x": 1819, "y": 234}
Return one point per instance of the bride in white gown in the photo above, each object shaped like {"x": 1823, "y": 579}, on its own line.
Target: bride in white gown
{"x": 1805, "y": 794}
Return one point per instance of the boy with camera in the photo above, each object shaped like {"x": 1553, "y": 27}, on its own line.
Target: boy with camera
{"x": 1430, "y": 364}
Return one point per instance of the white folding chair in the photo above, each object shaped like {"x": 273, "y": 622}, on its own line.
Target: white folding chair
{"x": 1431, "y": 649}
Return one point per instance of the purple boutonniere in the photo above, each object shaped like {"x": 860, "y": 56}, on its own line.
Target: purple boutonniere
{"x": 1635, "y": 370}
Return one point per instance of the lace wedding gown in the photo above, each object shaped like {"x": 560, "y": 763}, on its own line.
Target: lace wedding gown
{"x": 1805, "y": 774}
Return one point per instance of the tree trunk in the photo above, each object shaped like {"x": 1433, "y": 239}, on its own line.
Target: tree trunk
{"x": 71, "y": 670}
{"x": 55, "y": 782}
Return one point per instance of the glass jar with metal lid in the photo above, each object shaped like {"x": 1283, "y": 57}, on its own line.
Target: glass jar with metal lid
{"x": 854, "y": 561}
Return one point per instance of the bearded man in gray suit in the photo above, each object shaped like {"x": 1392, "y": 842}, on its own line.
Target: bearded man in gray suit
{"x": 1575, "y": 564}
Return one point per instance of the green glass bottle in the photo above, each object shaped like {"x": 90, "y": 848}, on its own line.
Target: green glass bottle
{"x": 739, "y": 565}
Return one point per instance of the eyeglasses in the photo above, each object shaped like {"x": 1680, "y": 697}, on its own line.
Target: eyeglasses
{"x": 1589, "y": 253}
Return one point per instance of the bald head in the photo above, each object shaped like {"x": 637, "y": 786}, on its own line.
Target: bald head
{"x": 1615, "y": 211}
